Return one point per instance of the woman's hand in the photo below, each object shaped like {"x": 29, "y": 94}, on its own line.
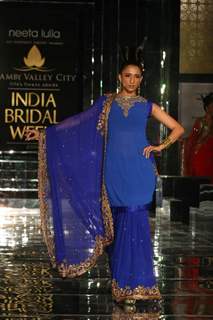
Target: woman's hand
{"x": 149, "y": 149}
{"x": 31, "y": 134}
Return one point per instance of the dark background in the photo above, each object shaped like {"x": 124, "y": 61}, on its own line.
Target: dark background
{"x": 102, "y": 28}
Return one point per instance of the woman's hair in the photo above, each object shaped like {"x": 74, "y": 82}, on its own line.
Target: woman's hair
{"x": 207, "y": 100}
{"x": 131, "y": 62}
{"x": 133, "y": 56}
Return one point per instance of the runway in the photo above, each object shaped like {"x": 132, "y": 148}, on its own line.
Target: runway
{"x": 31, "y": 289}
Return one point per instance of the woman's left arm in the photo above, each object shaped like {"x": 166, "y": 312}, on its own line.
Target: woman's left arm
{"x": 176, "y": 130}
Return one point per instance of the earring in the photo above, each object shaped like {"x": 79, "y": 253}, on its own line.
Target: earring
{"x": 139, "y": 91}
{"x": 118, "y": 86}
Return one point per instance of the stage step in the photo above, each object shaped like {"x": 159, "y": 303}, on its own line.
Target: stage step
{"x": 18, "y": 174}
{"x": 206, "y": 197}
{"x": 185, "y": 188}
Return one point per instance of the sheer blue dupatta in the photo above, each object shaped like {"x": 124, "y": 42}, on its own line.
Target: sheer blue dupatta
{"x": 76, "y": 219}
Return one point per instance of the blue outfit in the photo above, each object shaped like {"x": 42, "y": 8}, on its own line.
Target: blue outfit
{"x": 130, "y": 181}
{"x": 129, "y": 176}
{"x": 95, "y": 187}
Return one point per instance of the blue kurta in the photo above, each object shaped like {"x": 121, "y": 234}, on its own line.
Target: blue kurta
{"x": 129, "y": 176}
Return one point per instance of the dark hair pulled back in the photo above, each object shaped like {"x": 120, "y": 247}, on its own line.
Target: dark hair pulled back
{"x": 207, "y": 100}
{"x": 133, "y": 56}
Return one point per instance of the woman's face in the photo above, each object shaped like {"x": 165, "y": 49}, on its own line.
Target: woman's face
{"x": 130, "y": 79}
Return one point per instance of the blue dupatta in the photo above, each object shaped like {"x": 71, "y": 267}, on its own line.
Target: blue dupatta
{"x": 76, "y": 218}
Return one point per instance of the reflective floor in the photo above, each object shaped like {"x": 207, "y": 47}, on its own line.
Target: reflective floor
{"x": 31, "y": 289}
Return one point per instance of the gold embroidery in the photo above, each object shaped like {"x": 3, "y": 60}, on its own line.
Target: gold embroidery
{"x": 138, "y": 293}
{"x": 101, "y": 122}
{"x": 42, "y": 195}
{"x": 128, "y": 102}
{"x": 103, "y": 117}
{"x": 74, "y": 270}
{"x": 106, "y": 210}
{"x": 107, "y": 217}
{"x": 65, "y": 269}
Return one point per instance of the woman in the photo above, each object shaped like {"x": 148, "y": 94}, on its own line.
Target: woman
{"x": 104, "y": 148}
{"x": 198, "y": 148}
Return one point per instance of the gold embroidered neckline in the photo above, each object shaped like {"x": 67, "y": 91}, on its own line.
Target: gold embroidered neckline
{"x": 127, "y": 102}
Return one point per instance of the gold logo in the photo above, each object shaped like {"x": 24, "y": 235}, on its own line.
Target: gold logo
{"x": 34, "y": 61}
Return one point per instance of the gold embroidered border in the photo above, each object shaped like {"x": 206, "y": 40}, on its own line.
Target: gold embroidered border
{"x": 42, "y": 196}
{"x": 107, "y": 217}
{"x": 127, "y": 314}
{"x": 102, "y": 124}
{"x": 106, "y": 210}
{"x": 65, "y": 269}
{"x": 74, "y": 270}
{"x": 138, "y": 293}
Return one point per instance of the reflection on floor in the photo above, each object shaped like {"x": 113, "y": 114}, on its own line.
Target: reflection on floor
{"x": 31, "y": 289}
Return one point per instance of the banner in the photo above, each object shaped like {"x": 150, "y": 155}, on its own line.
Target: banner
{"x": 45, "y": 65}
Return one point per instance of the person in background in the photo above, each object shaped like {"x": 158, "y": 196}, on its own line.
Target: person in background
{"x": 198, "y": 154}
